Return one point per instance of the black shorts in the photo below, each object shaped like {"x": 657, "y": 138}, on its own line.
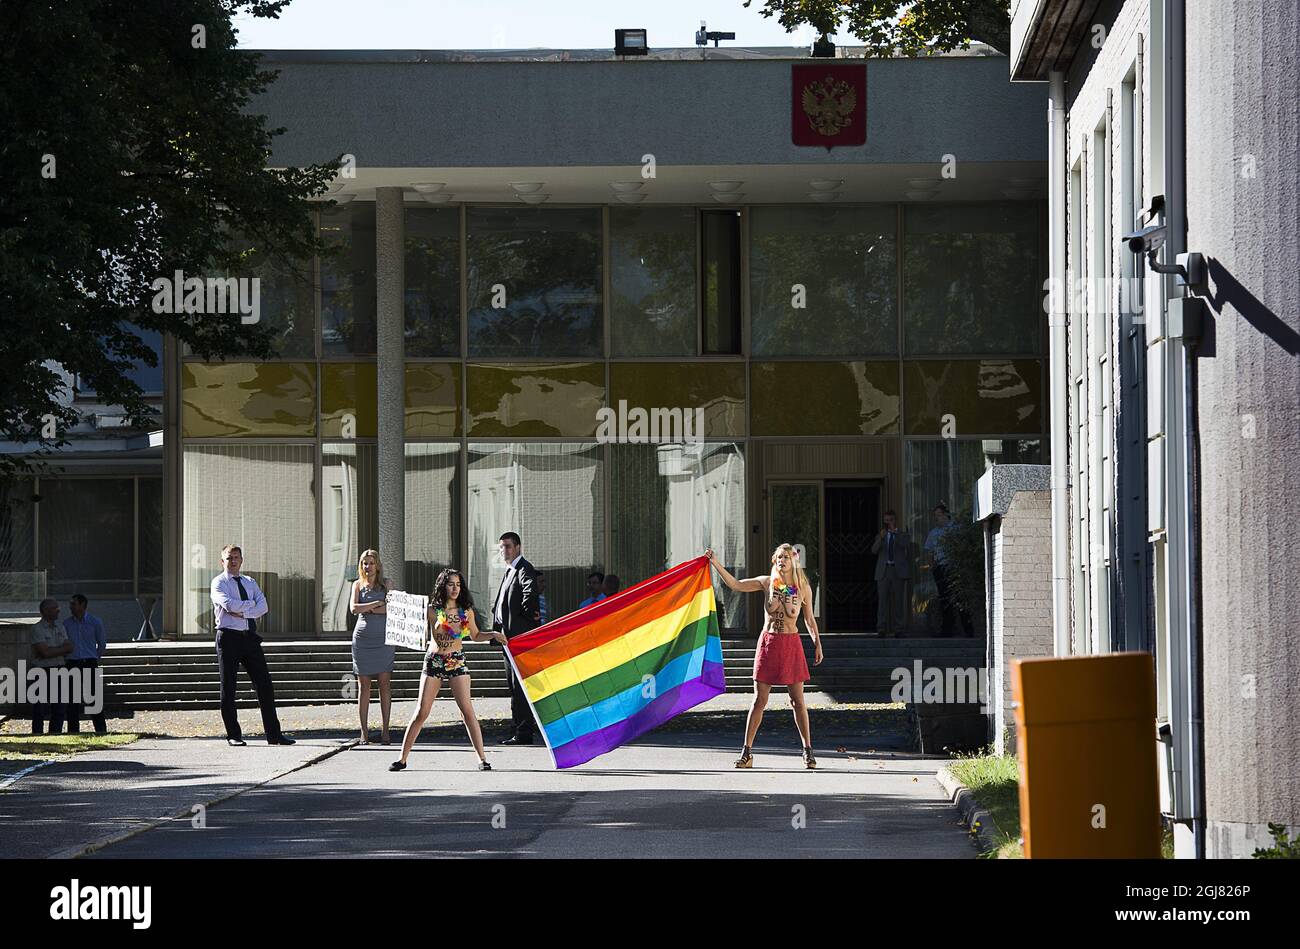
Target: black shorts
{"x": 446, "y": 667}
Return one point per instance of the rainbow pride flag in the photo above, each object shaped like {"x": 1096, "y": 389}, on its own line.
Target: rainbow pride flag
{"x": 618, "y": 668}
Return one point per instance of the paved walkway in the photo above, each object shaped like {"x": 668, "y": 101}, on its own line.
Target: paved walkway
{"x": 673, "y": 793}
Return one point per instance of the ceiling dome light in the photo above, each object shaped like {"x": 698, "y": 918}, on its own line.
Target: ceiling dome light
{"x": 429, "y": 187}
{"x": 623, "y": 187}
{"x": 440, "y": 197}
{"x": 527, "y": 187}
{"x": 532, "y": 198}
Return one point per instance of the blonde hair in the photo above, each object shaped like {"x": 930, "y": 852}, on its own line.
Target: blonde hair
{"x": 379, "y": 568}
{"x": 800, "y": 578}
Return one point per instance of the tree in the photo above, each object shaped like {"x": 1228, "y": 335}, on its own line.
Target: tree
{"x": 905, "y": 27}
{"x": 130, "y": 153}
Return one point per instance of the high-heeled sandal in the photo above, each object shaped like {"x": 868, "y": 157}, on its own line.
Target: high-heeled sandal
{"x": 808, "y": 760}
{"x": 746, "y": 759}
{"x": 484, "y": 766}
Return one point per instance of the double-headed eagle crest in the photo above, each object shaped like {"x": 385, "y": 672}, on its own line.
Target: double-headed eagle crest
{"x": 829, "y": 105}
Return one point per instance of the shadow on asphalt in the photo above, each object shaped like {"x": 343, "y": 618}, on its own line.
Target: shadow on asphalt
{"x": 327, "y": 821}
{"x": 867, "y": 729}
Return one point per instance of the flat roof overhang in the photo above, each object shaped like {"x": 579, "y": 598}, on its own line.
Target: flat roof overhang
{"x": 693, "y": 184}
{"x": 1046, "y": 34}
{"x": 595, "y": 114}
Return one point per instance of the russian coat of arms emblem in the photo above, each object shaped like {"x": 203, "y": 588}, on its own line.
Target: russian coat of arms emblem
{"x": 829, "y": 104}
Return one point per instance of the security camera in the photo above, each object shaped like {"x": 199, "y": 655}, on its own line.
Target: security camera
{"x": 1148, "y": 240}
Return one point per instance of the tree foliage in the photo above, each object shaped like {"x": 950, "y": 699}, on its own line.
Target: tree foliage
{"x": 130, "y": 152}
{"x": 901, "y": 27}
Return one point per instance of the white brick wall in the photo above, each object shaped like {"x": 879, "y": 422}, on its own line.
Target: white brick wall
{"x": 1021, "y": 624}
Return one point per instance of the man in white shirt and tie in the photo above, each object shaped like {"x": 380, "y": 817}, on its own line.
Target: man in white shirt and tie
{"x": 237, "y": 603}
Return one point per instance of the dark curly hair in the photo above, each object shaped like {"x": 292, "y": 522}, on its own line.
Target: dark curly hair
{"x": 439, "y": 599}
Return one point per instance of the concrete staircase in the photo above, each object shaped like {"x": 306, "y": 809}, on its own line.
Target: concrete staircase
{"x": 168, "y": 675}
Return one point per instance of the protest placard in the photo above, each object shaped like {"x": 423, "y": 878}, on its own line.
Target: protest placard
{"x": 408, "y": 620}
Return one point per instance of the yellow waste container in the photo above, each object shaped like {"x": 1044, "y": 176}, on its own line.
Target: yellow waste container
{"x": 1085, "y": 734}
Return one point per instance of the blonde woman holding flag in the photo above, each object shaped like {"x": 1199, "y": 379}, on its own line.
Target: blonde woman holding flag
{"x": 779, "y": 658}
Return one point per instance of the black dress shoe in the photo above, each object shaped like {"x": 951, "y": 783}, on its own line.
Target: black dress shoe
{"x": 282, "y": 740}
{"x": 518, "y": 740}
{"x": 236, "y": 742}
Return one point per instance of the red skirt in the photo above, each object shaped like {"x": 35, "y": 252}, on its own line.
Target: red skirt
{"x": 779, "y": 659}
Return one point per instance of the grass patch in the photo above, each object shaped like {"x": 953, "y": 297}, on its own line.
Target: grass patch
{"x": 995, "y": 782}
{"x": 40, "y": 747}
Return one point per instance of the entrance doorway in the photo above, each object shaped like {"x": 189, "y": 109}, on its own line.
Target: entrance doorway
{"x": 834, "y": 521}
{"x": 852, "y": 518}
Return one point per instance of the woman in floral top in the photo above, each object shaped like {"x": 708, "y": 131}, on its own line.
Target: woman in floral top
{"x": 451, "y": 619}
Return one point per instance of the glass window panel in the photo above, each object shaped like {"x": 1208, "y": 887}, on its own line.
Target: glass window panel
{"x": 534, "y": 282}
{"x": 260, "y": 497}
{"x": 17, "y": 538}
{"x": 348, "y": 400}
{"x": 83, "y": 524}
{"x": 268, "y": 399}
{"x": 286, "y": 298}
{"x": 720, "y": 281}
{"x": 432, "y": 400}
{"x": 148, "y": 378}
{"x": 669, "y": 503}
{"x": 717, "y": 388}
{"x": 824, "y": 398}
{"x": 796, "y": 513}
{"x": 150, "y": 522}
{"x": 347, "y": 277}
{"x": 536, "y": 400}
{"x": 652, "y": 303}
{"x": 956, "y": 397}
{"x": 946, "y": 471}
{"x": 286, "y": 301}
{"x": 432, "y": 281}
{"x": 551, "y": 494}
{"x": 973, "y": 279}
{"x": 349, "y": 525}
{"x": 432, "y": 512}
{"x": 846, "y": 260}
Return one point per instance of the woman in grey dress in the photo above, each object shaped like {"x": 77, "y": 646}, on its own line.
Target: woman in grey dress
{"x": 370, "y": 657}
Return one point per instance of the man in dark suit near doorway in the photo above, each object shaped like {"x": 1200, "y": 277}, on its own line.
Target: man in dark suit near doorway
{"x": 893, "y": 550}
{"x": 515, "y": 611}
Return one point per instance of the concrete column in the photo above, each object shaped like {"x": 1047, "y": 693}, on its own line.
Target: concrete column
{"x": 175, "y": 560}
{"x": 390, "y": 278}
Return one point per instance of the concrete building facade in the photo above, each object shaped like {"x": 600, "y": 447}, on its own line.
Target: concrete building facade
{"x": 1176, "y": 379}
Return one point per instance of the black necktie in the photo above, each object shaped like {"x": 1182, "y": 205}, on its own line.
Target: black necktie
{"x": 889, "y": 547}
{"x": 243, "y": 595}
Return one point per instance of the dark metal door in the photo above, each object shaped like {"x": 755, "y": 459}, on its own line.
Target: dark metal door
{"x": 852, "y": 518}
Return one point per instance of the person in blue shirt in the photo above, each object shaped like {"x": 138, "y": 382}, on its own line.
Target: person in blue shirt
{"x": 89, "y": 643}
{"x": 595, "y": 588}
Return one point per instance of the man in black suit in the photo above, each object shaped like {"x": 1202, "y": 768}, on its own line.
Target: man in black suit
{"x": 515, "y": 611}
